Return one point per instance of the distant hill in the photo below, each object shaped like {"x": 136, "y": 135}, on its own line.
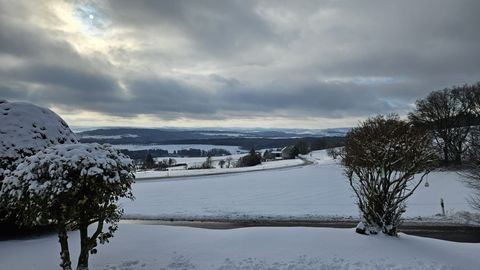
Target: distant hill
{"x": 245, "y": 138}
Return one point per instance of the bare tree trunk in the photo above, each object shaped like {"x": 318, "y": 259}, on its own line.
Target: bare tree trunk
{"x": 458, "y": 158}
{"x": 84, "y": 248}
{"x": 445, "y": 154}
{"x": 64, "y": 253}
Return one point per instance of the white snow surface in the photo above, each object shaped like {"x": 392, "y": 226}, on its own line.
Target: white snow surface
{"x": 202, "y": 172}
{"x": 198, "y": 161}
{"x": 28, "y": 128}
{"x": 150, "y": 247}
{"x": 318, "y": 191}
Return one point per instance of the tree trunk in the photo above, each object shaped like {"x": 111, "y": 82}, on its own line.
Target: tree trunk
{"x": 458, "y": 158}
{"x": 445, "y": 154}
{"x": 84, "y": 248}
{"x": 64, "y": 253}
{"x": 392, "y": 231}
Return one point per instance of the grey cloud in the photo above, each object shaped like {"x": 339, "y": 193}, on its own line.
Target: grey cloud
{"x": 166, "y": 95}
{"x": 217, "y": 27}
{"x": 66, "y": 77}
{"x": 228, "y": 82}
{"x": 416, "y": 39}
{"x": 285, "y": 58}
{"x": 313, "y": 99}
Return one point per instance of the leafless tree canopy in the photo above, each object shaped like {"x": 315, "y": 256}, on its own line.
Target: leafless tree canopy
{"x": 472, "y": 172}
{"x": 472, "y": 178}
{"x": 381, "y": 158}
{"x": 449, "y": 114}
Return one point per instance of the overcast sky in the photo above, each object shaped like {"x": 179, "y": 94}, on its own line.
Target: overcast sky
{"x": 283, "y": 64}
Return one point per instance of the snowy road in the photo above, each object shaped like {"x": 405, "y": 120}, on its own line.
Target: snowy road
{"x": 456, "y": 233}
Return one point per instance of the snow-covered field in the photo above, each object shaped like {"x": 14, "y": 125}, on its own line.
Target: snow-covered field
{"x": 318, "y": 191}
{"x": 318, "y": 157}
{"x": 175, "y": 147}
{"x": 156, "y": 247}
{"x": 198, "y": 172}
{"x": 198, "y": 161}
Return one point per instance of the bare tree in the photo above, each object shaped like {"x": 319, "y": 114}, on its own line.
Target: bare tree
{"x": 472, "y": 179}
{"x": 449, "y": 114}
{"x": 334, "y": 153}
{"x": 208, "y": 163}
{"x": 382, "y": 158}
{"x": 228, "y": 161}
{"x": 221, "y": 163}
{"x": 471, "y": 173}
{"x": 473, "y": 139}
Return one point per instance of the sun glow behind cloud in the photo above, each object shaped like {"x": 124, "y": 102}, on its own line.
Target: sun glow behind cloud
{"x": 87, "y": 29}
{"x": 227, "y": 63}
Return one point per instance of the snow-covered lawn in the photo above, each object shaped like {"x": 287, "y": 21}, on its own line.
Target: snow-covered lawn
{"x": 318, "y": 191}
{"x": 162, "y": 247}
{"x": 319, "y": 157}
{"x": 198, "y": 161}
{"x": 196, "y": 172}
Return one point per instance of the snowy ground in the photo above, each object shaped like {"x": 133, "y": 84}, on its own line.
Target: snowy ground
{"x": 193, "y": 162}
{"x": 318, "y": 157}
{"x": 196, "y": 161}
{"x": 162, "y": 247}
{"x": 318, "y": 191}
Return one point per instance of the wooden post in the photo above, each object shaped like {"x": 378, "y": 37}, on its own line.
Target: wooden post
{"x": 443, "y": 206}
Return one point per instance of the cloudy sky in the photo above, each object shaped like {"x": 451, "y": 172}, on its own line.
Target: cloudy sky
{"x": 310, "y": 64}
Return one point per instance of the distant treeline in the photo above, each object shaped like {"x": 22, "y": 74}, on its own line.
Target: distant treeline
{"x": 141, "y": 154}
{"x": 192, "y": 152}
{"x": 246, "y": 140}
{"x": 244, "y": 143}
{"x": 160, "y": 136}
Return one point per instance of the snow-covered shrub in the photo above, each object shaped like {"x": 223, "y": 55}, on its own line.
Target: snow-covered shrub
{"x": 71, "y": 186}
{"x": 26, "y": 129}
{"x": 385, "y": 160}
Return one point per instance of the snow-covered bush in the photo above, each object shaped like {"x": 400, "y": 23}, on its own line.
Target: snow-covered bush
{"x": 385, "y": 160}
{"x": 26, "y": 129}
{"x": 71, "y": 186}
